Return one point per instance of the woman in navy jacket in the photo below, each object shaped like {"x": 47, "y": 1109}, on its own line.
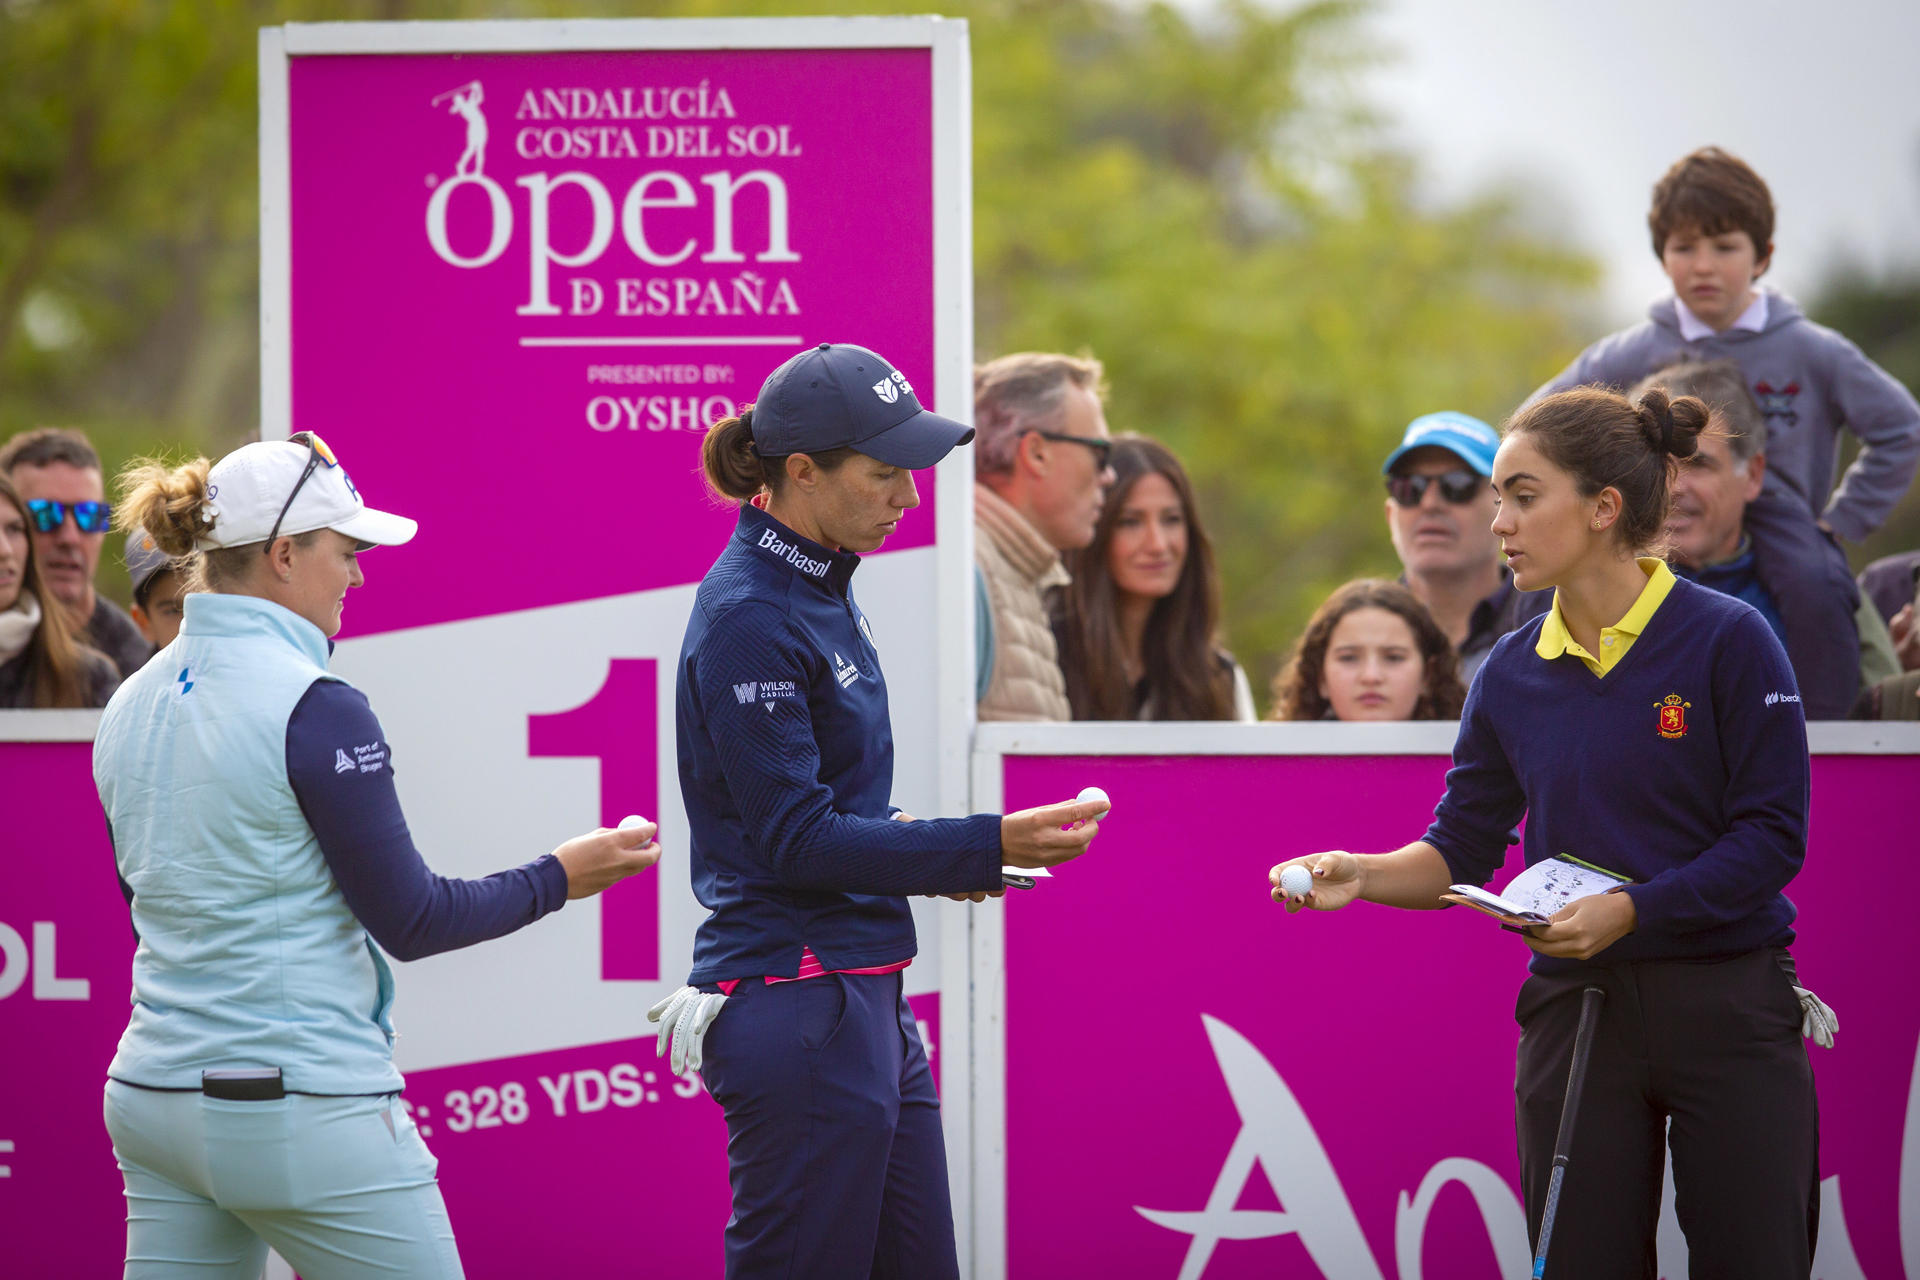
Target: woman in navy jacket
{"x": 786, "y": 764}
{"x": 1652, "y": 727}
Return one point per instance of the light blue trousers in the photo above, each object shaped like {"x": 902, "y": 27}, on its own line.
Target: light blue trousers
{"x": 340, "y": 1187}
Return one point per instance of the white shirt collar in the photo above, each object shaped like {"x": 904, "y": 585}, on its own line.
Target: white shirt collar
{"x": 1753, "y": 319}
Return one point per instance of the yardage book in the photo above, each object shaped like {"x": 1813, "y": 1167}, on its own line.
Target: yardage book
{"x": 1533, "y": 896}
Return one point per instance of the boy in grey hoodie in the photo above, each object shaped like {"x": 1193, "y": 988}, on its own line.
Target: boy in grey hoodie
{"x": 1712, "y": 225}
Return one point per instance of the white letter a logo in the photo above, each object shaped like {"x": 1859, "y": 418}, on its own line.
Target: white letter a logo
{"x": 1276, "y": 1135}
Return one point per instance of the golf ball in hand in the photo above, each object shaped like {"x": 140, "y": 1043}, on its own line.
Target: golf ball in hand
{"x": 631, "y": 821}
{"x": 1096, "y": 795}
{"x": 1296, "y": 881}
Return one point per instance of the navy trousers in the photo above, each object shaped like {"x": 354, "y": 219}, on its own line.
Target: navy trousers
{"x": 833, "y": 1133}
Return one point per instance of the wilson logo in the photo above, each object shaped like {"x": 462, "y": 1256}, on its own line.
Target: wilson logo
{"x": 744, "y": 692}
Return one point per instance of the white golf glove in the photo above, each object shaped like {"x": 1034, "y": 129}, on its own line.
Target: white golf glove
{"x": 684, "y": 1018}
{"x": 1818, "y": 1023}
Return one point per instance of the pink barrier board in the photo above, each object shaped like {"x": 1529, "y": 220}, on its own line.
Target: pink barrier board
{"x": 65, "y": 953}
{"x": 630, "y": 1141}
{"x": 1199, "y": 1085}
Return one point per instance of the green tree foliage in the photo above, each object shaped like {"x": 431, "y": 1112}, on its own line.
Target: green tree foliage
{"x": 1196, "y": 196}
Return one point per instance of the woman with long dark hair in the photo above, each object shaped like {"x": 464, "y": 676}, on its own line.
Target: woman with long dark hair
{"x": 1371, "y": 652}
{"x": 42, "y": 664}
{"x": 1652, "y": 727}
{"x": 1139, "y": 624}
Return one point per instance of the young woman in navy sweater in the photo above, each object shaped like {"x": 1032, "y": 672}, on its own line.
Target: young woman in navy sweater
{"x": 795, "y": 1010}
{"x": 1652, "y": 727}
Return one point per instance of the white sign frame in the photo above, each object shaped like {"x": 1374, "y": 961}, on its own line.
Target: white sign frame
{"x": 947, "y": 40}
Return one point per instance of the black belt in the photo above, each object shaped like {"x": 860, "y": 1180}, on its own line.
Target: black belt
{"x": 258, "y": 1084}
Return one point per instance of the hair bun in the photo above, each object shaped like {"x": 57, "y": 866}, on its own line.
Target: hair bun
{"x": 1672, "y": 427}
{"x": 174, "y": 505}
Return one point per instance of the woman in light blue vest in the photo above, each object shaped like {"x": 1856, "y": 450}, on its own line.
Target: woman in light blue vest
{"x": 249, "y": 794}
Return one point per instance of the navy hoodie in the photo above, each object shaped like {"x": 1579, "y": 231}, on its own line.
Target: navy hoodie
{"x": 786, "y": 766}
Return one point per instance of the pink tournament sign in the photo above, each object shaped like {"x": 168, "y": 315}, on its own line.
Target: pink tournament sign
{"x": 1198, "y": 1085}
{"x": 523, "y": 284}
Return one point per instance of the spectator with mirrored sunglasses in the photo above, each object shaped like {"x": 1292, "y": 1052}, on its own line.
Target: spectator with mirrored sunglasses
{"x": 1440, "y": 516}
{"x": 58, "y": 473}
{"x": 42, "y": 665}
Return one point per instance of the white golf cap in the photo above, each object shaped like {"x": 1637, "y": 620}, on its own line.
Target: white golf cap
{"x": 248, "y": 489}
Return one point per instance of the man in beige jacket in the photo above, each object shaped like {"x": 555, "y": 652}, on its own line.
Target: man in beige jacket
{"x": 1041, "y": 459}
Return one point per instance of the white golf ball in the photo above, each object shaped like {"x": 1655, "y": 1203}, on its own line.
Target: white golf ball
{"x": 1296, "y": 881}
{"x": 1097, "y": 795}
{"x": 631, "y": 821}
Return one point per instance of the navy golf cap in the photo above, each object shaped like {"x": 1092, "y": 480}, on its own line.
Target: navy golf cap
{"x": 839, "y": 396}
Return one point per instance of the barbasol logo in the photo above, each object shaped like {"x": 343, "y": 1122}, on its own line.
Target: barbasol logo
{"x": 889, "y": 389}
{"x": 1774, "y": 699}
{"x": 771, "y": 541}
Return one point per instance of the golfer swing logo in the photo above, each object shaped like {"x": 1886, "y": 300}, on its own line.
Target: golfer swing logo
{"x": 466, "y": 104}
{"x": 1673, "y": 716}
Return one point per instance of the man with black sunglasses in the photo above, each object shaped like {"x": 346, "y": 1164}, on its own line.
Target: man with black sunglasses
{"x": 59, "y": 475}
{"x": 1041, "y": 471}
{"x": 1440, "y": 517}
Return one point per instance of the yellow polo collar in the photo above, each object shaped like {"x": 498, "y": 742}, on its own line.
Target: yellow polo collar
{"x": 1556, "y": 641}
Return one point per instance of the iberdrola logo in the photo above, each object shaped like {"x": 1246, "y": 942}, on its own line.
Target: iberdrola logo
{"x": 1673, "y": 716}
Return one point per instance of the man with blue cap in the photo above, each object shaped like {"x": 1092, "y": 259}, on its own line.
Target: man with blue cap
{"x": 1440, "y": 505}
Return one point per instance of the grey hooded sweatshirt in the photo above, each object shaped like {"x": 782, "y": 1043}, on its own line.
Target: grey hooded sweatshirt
{"x": 1809, "y": 382}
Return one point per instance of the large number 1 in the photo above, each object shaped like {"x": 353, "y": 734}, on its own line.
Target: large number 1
{"x": 620, "y": 727}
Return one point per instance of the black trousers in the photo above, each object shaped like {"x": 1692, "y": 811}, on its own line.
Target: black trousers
{"x": 1705, "y": 1055}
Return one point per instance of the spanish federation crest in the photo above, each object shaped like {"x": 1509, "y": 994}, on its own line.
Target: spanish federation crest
{"x": 1673, "y": 716}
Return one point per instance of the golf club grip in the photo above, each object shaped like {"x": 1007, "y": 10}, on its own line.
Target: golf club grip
{"x": 1590, "y": 1000}
{"x": 1546, "y": 1218}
